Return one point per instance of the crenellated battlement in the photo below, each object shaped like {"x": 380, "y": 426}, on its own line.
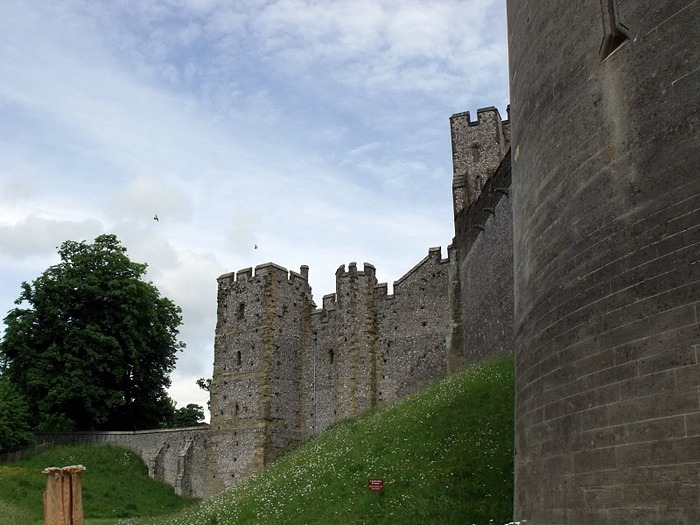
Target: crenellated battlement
{"x": 285, "y": 370}
{"x": 262, "y": 270}
{"x": 369, "y": 271}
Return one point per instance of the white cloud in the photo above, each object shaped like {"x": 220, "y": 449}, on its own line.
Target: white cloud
{"x": 36, "y": 235}
{"x": 317, "y": 130}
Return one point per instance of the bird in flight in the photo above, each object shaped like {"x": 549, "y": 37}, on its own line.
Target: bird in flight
{"x": 155, "y": 217}
{"x": 256, "y": 247}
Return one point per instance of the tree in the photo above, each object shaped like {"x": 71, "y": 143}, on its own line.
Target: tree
{"x": 91, "y": 345}
{"x": 205, "y": 384}
{"x": 15, "y": 432}
{"x": 190, "y": 416}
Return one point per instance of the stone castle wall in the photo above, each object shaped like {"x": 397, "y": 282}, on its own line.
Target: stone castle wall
{"x": 285, "y": 370}
{"x": 585, "y": 267}
{"x": 606, "y": 176}
{"x": 174, "y": 456}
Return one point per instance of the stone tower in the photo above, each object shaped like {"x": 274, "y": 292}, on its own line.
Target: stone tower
{"x": 477, "y": 150}
{"x": 255, "y": 400}
{"x": 606, "y": 192}
{"x": 481, "y": 293}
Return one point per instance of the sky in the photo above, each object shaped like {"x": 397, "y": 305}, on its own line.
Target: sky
{"x": 316, "y": 130}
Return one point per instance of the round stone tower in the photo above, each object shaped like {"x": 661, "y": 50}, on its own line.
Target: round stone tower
{"x": 606, "y": 189}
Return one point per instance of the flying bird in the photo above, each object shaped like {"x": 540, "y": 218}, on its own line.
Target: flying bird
{"x": 256, "y": 247}
{"x": 155, "y": 217}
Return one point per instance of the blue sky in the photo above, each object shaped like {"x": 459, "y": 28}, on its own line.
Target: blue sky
{"x": 316, "y": 130}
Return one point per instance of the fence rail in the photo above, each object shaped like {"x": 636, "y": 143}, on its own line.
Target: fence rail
{"x": 11, "y": 457}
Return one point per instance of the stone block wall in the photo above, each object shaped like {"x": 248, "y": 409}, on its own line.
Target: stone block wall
{"x": 477, "y": 149}
{"x": 412, "y": 325}
{"x": 285, "y": 371}
{"x": 606, "y": 177}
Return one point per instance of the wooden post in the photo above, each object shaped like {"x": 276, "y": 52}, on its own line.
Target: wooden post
{"x": 63, "y": 499}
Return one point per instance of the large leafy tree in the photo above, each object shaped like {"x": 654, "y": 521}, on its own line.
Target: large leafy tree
{"x": 91, "y": 344}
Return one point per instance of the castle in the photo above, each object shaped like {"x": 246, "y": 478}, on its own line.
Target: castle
{"x": 586, "y": 268}
{"x": 576, "y": 250}
{"x": 285, "y": 370}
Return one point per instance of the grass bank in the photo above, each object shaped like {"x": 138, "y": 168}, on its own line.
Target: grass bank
{"x": 115, "y": 485}
{"x": 445, "y": 456}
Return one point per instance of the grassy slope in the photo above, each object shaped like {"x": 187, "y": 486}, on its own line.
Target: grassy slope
{"x": 445, "y": 455}
{"x": 115, "y": 485}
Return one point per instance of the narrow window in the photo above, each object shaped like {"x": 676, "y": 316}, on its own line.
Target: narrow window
{"x": 240, "y": 313}
{"x": 238, "y": 358}
{"x": 615, "y": 32}
{"x": 331, "y": 357}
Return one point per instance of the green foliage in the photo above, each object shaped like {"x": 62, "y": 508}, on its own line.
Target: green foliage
{"x": 115, "y": 484}
{"x": 205, "y": 384}
{"x": 445, "y": 455}
{"x": 91, "y": 345}
{"x": 189, "y": 416}
{"x": 15, "y": 432}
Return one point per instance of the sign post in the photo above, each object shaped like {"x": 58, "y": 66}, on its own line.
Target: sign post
{"x": 375, "y": 485}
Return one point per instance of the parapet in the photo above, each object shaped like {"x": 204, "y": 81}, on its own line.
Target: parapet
{"x": 477, "y": 149}
{"x": 368, "y": 271}
{"x": 329, "y": 301}
{"x": 269, "y": 268}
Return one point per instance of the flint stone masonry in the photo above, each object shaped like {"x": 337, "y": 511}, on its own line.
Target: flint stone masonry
{"x": 285, "y": 370}
{"x": 477, "y": 150}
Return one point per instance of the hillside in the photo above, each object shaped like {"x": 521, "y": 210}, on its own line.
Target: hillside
{"x": 445, "y": 456}
{"x": 115, "y": 485}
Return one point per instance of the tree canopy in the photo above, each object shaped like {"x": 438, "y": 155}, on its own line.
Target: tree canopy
{"x": 91, "y": 345}
{"x": 190, "y": 416}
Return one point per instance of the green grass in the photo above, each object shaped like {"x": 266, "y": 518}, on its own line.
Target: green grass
{"x": 445, "y": 455}
{"x": 115, "y": 485}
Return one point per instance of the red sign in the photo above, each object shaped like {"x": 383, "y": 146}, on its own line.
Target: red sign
{"x": 375, "y": 485}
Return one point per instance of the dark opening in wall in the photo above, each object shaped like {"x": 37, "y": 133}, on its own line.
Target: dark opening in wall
{"x": 615, "y": 32}
{"x": 240, "y": 313}
{"x": 331, "y": 356}
{"x": 238, "y": 358}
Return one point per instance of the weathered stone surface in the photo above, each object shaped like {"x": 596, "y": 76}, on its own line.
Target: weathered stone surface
{"x": 606, "y": 195}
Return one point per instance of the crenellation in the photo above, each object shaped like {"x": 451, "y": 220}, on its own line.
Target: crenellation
{"x": 381, "y": 290}
{"x": 245, "y": 274}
